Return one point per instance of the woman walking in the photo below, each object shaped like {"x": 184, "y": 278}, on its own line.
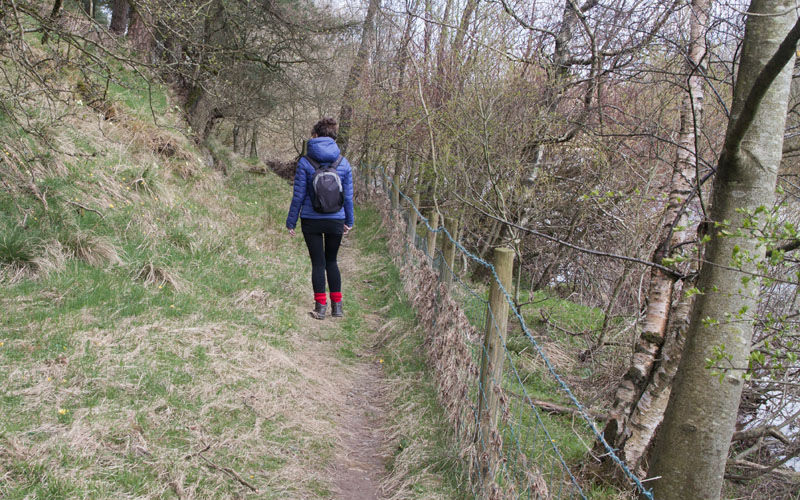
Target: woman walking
{"x": 324, "y": 203}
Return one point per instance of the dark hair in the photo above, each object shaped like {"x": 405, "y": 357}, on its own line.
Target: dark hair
{"x": 327, "y": 127}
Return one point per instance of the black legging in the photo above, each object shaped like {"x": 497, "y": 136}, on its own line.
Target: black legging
{"x": 323, "y": 237}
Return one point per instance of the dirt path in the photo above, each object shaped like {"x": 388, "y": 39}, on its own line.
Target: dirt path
{"x": 359, "y": 463}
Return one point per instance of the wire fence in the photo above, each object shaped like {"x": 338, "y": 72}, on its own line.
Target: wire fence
{"x": 516, "y": 450}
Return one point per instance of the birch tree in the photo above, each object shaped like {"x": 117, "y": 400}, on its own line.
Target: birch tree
{"x": 690, "y": 454}
{"x": 642, "y": 395}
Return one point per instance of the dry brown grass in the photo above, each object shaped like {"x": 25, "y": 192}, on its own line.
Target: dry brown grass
{"x": 97, "y": 251}
{"x": 50, "y": 257}
{"x": 279, "y": 395}
{"x": 161, "y": 142}
{"x": 405, "y": 479}
{"x": 152, "y": 274}
{"x": 15, "y": 273}
{"x": 253, "y": 299}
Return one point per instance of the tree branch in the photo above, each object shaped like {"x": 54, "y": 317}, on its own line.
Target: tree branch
{"x": 770, "y": 71}
{"x": 669, "y": 271}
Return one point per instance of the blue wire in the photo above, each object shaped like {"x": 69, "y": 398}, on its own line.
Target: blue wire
{"x": 564, "y": 387}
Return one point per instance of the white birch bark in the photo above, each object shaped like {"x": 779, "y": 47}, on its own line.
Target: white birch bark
{"x": 640, "y": 399}
{"x": 692, "y": 446}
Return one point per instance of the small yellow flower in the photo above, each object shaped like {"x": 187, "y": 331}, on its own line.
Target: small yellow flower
{"x": 380, "y": 360}
{"x": 2, "y": 344}
{"x": 172, "y": 306}
{"x": 110, "y": 205}
{"x": 49, "y": 379}
{"x": 63, "y": 411}
{"x": 160, "y": 287}
{"x": 63, "y": 380}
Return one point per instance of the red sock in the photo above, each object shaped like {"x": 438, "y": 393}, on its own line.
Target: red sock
{"x": 336, "y": 296}
{"x": 320, "y": 297}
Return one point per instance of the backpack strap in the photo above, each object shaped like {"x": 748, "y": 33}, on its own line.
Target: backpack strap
{"x": 317, "y": 166}
{"x": 313, "y": 163}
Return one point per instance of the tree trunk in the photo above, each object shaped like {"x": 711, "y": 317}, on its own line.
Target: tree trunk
{"x": 544, "y": 280}
{"x": 558, "y": 75}
{"x": 444, "y": 34}
{"x": 356, "y": 70}
{"x": 236, "y": 139}
{"x": 648, "y": 413}
{"x": 692, "y": 447}
{"x": 458, "y": 42}
{"x": 88, "y": 7}
{"x": 54, "y": 13}
{"x": 202, "y": 113}
{"x": 119, "y": 16}
{"x": 632, "y": 440}
{"x": 402, "y": 62}
{"x": 56, "y": 10}
{"x": 426, "y": 37}
{"x": 140, "y": 35}
{"x": 491, "y": 237}
{"x": 254, "y": 142}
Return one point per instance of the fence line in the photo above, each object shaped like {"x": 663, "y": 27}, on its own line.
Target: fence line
{"x": 519, "y": 457}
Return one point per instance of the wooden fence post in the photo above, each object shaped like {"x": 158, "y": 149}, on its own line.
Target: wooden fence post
{"x": 395, "y": 191}
{"x": 433, "y": 221}
{"x": 492, "y": 363}
{"x": 412, "y": 219}
{"x": 449, "y": 249}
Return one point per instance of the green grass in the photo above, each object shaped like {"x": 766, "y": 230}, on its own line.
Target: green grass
{"x": 17, "y": 248}
{"x": 114, "y": 383}
{"x": 130, "y": 377}
{"x": 140, "y": 98}
{"x": 104, "y": 351}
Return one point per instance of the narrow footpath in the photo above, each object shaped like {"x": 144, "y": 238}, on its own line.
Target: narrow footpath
{"x": 359, "y": 463}
{"x": 359, "y": 412}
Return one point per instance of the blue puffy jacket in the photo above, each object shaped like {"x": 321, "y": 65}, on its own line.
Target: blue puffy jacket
{"x": 324, "y": 151}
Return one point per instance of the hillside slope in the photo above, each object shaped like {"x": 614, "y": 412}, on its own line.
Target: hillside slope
{"x": 154, "y": 335}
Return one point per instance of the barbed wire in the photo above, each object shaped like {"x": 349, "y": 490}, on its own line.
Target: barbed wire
{"x": 611, "y": 452}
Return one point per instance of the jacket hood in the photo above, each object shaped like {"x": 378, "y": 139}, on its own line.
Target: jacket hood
{"x": 323, "y": 149}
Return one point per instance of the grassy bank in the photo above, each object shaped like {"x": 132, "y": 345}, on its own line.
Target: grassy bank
{"x": 154, "y": 340}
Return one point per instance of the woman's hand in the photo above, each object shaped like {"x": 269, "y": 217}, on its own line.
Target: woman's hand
{"x": 291, "y": 232}
{"x": 347, "y": 229}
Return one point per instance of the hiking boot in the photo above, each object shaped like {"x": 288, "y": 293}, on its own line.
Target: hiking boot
{"x": 319, "y": 311}
{"x": 336, "y": 310}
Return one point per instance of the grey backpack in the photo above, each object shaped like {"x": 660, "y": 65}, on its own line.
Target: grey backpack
{"x": 327, "y": 187}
